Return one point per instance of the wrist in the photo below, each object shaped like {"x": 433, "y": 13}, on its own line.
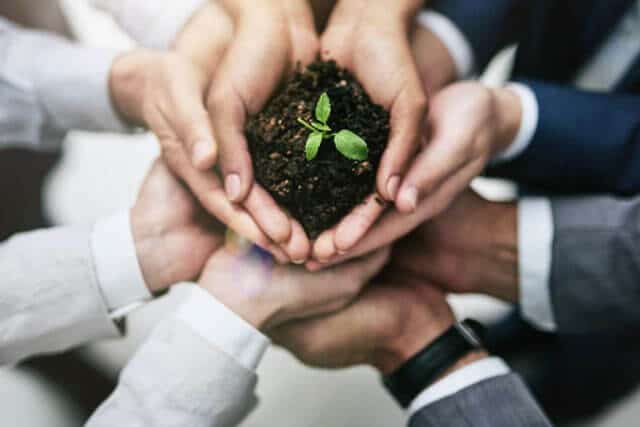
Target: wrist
{"x": 398, "y": 348}
{"x": 466, "y": 360}
{"x": 435, "y": 63}
{"x": 502, "y": 221}
{"x": 127, "y": 80}
{"x": 146, "y": 248}
{"x": 508, "y": 118}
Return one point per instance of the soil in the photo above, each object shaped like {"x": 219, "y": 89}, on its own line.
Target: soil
{"x": 318, "y": 192}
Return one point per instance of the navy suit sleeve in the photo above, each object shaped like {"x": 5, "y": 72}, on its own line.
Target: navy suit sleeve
{"x": 584, "y": 142}
{"x": 489, "y": 26}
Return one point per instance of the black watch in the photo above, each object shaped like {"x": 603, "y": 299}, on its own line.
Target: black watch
{"x": 408, "y": 381}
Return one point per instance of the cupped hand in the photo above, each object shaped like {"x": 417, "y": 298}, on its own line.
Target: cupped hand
{"x": 386, "y": 326}
{"x": 270, "y": 38}
{"x": 267, "y": 296}
{"x": 173, "y": 235}
{"x": 164, "y": 92}
{"x": 371, "y": 39}
{"x": 468, "y": 123}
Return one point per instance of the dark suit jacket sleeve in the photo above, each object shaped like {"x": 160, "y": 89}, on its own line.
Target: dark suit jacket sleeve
{"x": 596, "y": 265}
{"x": 488, "y": 25}
{"x": 585, "y": 142}
{"x": 500, "y": 401}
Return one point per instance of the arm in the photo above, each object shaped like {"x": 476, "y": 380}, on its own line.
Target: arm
{"x": 595, "y": 265}
{"x": 38, "y": 105}
{"x": 64, "y": 286}
{"x": 571, "y": 151}
{"x": 51, "y": 298}
{"x": 499, "y": 401}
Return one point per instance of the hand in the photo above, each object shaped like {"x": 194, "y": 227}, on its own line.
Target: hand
{"x": 469, "y": 123}
{"x": 384, "y": 328}
{"x": 173, "y": 236}
{"x": 266, "y": 296}
{"x": 471, "y": 248}
{"x": 164, "y": 92}
{"x": 371, "y": 38}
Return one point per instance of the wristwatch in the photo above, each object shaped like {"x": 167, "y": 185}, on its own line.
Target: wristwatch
{"x": 408, "y": 381}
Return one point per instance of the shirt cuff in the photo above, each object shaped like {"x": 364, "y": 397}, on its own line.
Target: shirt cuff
{"x": 450, "y": 35}
{"x": 474, "y": 373}
{"x": 116, "y": 263}
{"x": 223, "y": 328}
{"x": 535, "y": 245}
{"x": 528, "y": 124}
{"x": 153, "y": 24}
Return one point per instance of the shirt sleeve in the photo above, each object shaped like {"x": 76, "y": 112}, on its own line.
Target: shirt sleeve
{"x": 196, "y": 369}
{"x": 238, "y": 339}
{"x": 48, "y": 86}
{"x": 528, "y": 124}
{"x": 117, "y": 269}
{"x": 535, "y": 245}
{"x": 461, "y": 379}
{"x": 153, "y": 24}
{"x": 455, "y": 41}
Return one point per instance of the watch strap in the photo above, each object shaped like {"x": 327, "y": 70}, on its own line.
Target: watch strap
{"x": 425, "y": 367}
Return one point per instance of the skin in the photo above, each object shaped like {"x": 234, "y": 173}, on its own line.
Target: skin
{"x": 472, "y": 247}
{"x": 383, "y": 328}
{"x": 267, "y": 296}
{"x": 172, "y": 245}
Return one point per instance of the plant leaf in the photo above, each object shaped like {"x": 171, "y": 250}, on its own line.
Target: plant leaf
{"x": 351, "y": 145}
{"x": 313, "y": 145}
{"x": 323, "y": 108}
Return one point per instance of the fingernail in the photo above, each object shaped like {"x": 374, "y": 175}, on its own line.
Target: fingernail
{"x": 410, "y": 197}
{"x": 201, "y": 151}
{"x": 299, "y": 261}
{"x": 232, "y": 186}
{"x": 341, "y": 252}
{"x": 392, "y": 186}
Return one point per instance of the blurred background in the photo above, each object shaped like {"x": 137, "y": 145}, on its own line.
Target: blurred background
{"x": 99, "y": 174}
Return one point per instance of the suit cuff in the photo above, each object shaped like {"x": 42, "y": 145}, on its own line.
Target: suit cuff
{"x": 535, "y": 240}
{"x": 461, "y": 379}
{"x": 116, "y": 262}
{"x": 450, "y": 35}
{"x": 153, "y": 24}
{"x": 222, "y": 328}
{"x": 528, "y": 123}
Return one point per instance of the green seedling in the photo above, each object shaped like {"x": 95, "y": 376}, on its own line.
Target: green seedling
{"x": 347, "y": 142}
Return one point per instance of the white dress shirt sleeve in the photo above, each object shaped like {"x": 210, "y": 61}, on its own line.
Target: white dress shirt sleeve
{"x": 450, "y": 35}
{"x": 117, "y": 269}
{"x": 463, "y": 378}
{"x": 193, "y": 371}
{"x": 222, "y": 328}
{"x": 153, "y": 24}
{"x": 528, "y": 123}
{"x": 48, "y": 86}
{"x": 535, "y": 246}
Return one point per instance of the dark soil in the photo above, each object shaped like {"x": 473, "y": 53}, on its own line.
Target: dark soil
{"x": 319, "y": 192}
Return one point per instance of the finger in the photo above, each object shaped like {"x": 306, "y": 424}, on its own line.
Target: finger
{"x": 439, "y": 160}
{"x": 251, "y": 71}
{"x": 305, "y": 43}
{"x": 207, "y": 188}
{"x": 324, "y": 246}
{"x": 354, "y": 226}
{"x": 395, "y": 225}
{"x": 407, "y": 113}
{"x": 298, "y": 247}
{"x": 268, "y": 215}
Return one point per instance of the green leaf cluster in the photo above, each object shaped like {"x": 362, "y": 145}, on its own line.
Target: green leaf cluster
{"x": 348, "y": 143}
